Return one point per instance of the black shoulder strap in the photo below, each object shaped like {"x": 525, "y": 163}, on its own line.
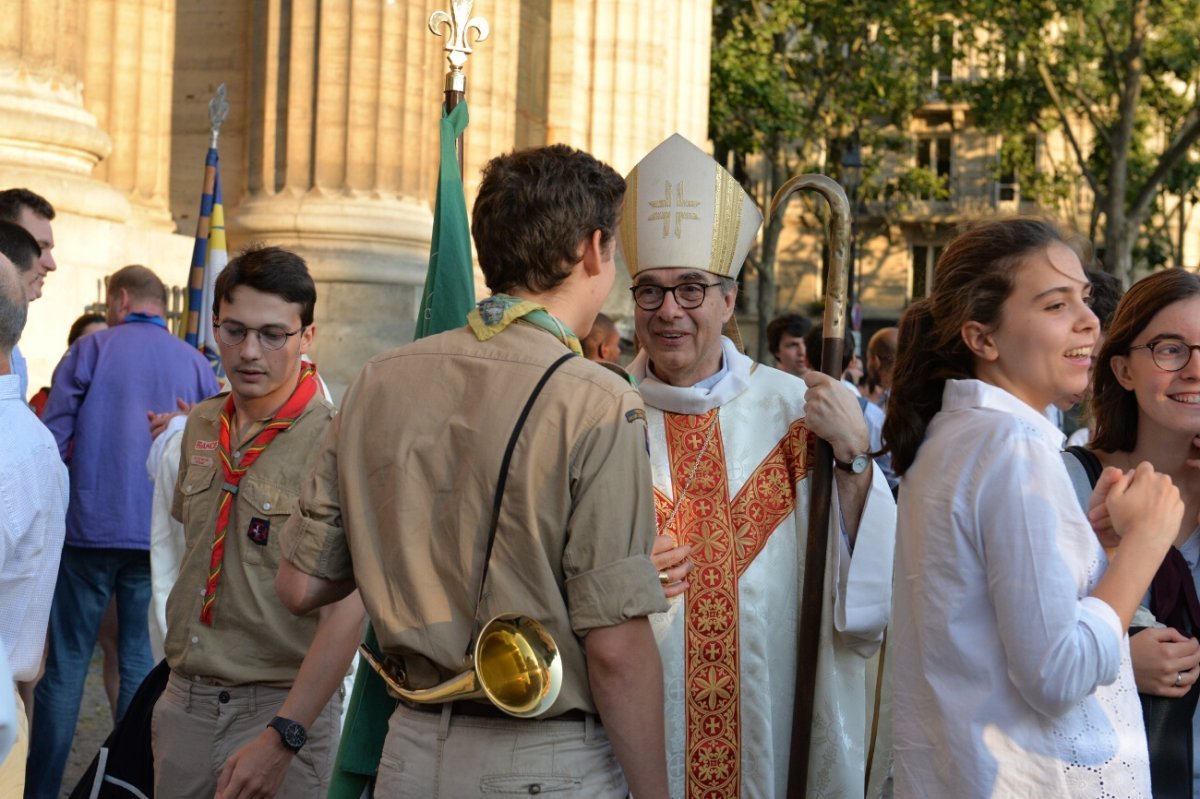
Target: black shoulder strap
{"x": 508, "y": 452}
{"x": 1091, "y": 464}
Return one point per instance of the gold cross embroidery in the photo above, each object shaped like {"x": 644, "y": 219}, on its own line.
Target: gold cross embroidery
{"x": 665, "y": 216}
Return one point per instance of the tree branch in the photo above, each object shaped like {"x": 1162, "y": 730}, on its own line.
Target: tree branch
{"x": 1089, "y": 108}
{"x": 1113, "y": 58}
{"x": 1188, "y": 134}
{"x": 1060, "y": 108}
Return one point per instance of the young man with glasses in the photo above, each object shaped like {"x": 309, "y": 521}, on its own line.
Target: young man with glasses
{"x": 731, "y": 445}
{"x": 97, "y": 412}
{"x": 252, "y": 705}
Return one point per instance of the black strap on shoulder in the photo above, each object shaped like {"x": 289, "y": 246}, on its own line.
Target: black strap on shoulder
{"x": 1091, "y": 464}
{"x": 508, "y": 452}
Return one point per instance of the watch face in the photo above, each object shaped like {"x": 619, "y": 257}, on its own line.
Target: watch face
{"x": 859, "y": 464}
{"x": 290, "y": 732}
{"x": 294, "y": 736}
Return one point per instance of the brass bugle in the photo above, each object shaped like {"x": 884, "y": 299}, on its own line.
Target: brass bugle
{"x": 515, "y": 666}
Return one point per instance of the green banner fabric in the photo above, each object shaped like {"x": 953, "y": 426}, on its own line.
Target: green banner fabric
{"x": 449, "y": 283}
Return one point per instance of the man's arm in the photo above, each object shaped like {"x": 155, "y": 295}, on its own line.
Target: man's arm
{"x": 832, "y": 413}
{"x": 625, "y": 675}
{"x": 303, "y": 593}
{"x": 258, "y": 768}
{"x": 73, "y": 377}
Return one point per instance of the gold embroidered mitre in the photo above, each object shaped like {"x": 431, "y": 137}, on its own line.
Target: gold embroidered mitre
{"x": 682, "y": 209}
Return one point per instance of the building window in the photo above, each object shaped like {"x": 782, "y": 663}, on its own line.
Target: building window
{"x": 1009, "y": 186}
{"x": 924, "y": 257}
{"x": 943, "y": 47}
{"x": 934, "y": 154}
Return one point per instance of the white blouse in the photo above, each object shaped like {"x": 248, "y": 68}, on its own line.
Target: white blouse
{"x": 1009, "y": 680}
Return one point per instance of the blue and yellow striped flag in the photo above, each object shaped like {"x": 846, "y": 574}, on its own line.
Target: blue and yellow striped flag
{"x": 209, "y": 256}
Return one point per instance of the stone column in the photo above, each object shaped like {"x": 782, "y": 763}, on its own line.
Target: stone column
{"x": 129, "y": 51}
{"x": 623, "y": 76}
{"x": 342, "y": 157}
{"x": 51, "y": 143}
{"x": 626, "y": 74}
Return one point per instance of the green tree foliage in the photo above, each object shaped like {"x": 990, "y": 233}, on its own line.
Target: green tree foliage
{"x": 791, "y": 79}
{"x": 1119, "y": 79}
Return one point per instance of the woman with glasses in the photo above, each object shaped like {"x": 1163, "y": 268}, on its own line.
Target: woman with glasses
{"x": 1011, "y": 672}
{"x": 1146, "y": 403}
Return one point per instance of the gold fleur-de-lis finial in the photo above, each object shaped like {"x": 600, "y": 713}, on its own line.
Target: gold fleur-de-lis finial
{"x": 458, "y": 22}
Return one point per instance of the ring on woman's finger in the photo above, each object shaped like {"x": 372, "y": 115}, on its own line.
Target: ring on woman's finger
{"x": 665, "y": 578}
{"x": 1178, "y": 679}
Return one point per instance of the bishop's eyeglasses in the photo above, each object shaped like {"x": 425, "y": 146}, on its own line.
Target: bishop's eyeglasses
{"x": 649, "y": 297}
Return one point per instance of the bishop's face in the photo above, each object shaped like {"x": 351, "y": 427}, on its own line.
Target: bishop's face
{"x": 683, "y": 344}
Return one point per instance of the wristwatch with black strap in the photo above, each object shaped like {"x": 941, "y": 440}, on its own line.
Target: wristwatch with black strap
{"x": 292, "y": 733}
{"x": 856, "y": 465}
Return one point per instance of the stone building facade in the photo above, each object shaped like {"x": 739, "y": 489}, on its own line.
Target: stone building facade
{"x": 330, "y": 146}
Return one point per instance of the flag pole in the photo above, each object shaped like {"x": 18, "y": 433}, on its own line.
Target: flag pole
{"x": 454, "y": 27}
{"x": 218, "y": 109}
{"x": 448, "y": 295}
{"x": 821, "y": 498}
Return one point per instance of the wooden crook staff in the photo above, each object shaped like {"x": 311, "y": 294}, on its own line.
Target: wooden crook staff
{"x": 821, "y": 497}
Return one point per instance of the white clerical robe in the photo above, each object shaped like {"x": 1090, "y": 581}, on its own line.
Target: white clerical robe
{"x": 728, "y": 645}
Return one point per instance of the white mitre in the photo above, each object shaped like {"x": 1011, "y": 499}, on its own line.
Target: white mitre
{"x": 682, "y": 209}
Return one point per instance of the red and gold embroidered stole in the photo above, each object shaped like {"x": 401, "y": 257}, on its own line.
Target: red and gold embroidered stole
{"x": 726, "y": 534}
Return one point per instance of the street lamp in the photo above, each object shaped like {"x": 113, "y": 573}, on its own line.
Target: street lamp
{"x": 852, "y": 170}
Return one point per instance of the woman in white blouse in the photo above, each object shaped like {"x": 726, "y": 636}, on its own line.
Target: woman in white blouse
{"x": 1146, "y": 404}
{"x": 1011, "y": 666}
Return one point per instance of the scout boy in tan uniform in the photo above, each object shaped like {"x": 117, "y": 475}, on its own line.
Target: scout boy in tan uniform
{"x": 253, "y": 703}
{"x": 402, "y": 500}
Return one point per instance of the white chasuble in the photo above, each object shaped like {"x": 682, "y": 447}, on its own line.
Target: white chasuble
{"x": 733, "y": 482}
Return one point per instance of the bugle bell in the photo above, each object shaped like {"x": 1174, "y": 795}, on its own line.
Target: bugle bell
{"x": 515, "y": 665}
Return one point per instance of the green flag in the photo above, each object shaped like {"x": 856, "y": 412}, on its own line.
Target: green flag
{"x": 449, "y": 283}
{"x": 449, "y": 295}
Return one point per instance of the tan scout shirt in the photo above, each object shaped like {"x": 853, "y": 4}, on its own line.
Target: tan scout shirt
{"x": 253, "y": 637}
{"x": 402, "y": 497}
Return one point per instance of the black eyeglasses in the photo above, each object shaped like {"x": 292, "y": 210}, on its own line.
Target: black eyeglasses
{"x": 649, "y": 297}
{"x": 271, "y": 337}
{"x": 1169, "y": 354}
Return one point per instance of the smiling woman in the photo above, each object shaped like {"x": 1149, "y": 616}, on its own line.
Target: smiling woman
{"x": 1147, "y": 408}
{"x": 1012, "y": 676}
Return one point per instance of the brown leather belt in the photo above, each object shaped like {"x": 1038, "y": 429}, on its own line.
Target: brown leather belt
{"x": 488, "y": 711}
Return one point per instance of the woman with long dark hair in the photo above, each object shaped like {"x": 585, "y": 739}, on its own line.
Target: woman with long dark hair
{"x": 1146, "y": 406}
{"x": 1011, "y": 668}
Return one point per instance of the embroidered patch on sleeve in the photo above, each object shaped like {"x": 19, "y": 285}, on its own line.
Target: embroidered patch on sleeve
{"x": 258, "y": 531}
{"x": 201, "y": 460}
{"x": 201, "y": 444}
{"x": 635, "y": 414}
